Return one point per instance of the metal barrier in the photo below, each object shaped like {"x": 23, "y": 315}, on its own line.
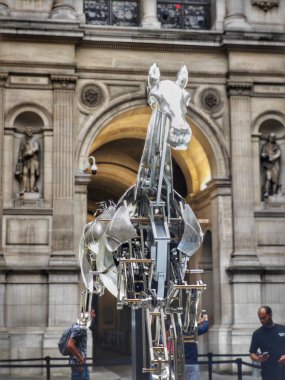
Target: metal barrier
{"x": 237, "y": 361}
{"x": 48, "y": 365}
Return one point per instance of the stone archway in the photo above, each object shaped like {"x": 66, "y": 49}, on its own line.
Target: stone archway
{"x": 118, "y": 147}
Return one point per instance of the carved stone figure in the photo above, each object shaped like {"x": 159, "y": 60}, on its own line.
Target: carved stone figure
{"x": 270, "y": 159}
{"x": 28, "y": 167}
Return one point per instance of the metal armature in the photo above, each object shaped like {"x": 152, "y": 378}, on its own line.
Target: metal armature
{"x": 139, "y": 249}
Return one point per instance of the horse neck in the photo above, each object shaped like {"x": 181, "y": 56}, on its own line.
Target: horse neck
{"x": 156, "y": 157}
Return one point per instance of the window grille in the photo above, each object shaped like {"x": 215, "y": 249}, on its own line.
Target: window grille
{"x": 184, "y": 14}
{"x": 111, "y": 12}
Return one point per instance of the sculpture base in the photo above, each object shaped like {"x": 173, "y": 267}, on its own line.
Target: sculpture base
{"x": 274, "y": 201}
{"x": 29, "y": 200}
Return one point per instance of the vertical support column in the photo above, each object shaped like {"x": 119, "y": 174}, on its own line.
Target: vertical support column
{"x": 80, "y": 205}
{"x": 235, "y": 17}
{"x": 63, "y": 172}
{"x": 3, "y": 78}
{"x": 149, "y": 14}
{"x": 242, "y": 174}
{"x": 222, "y": 245}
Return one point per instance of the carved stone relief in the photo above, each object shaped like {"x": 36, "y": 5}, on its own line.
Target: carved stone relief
{"x": 91, "y": 95}
{"x": 210, "y": 100}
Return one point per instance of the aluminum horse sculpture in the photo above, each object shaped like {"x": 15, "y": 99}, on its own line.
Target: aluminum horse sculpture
{"x": 139, "y": 248}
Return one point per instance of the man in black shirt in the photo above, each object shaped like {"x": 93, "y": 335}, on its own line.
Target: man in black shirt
{"x": 268, "y": 346}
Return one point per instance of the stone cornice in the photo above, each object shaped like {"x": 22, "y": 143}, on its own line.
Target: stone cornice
{"x": 138, "y": 38}
{"x": 252, "y": 269}
{"x": 27, "y": 211}
{"x": 82, "y": 178}
{"x": 269, "y": 214}
{"x": 215, "y": 187}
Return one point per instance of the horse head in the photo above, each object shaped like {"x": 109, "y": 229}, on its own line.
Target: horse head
{"x": 172, "y": 99}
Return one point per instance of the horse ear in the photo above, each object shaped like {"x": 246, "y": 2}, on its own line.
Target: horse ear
{"x": 153, "y": 75}
{"x": 182, "y": 77}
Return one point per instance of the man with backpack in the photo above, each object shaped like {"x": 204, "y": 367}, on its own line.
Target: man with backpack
{"x": 77, "y": 348}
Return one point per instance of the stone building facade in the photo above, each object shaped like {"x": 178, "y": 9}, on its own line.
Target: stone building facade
{"x": 78, "y": 80}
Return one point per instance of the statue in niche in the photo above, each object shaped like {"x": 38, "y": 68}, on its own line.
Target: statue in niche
{"x": 270, "y": 159}
{"x": 28, "y": 166}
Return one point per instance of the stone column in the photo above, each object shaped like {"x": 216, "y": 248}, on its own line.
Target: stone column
{"x": 242, "y": 174}
{"x": 63, "y": 10}
{"x": 149, "y": 14}
{"x": 3, "y": 78}
{"x": 63, "y": 171}
{"x": 235, "y": 17}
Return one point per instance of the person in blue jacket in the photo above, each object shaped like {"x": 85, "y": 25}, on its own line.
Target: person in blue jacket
{"x": 192, "y": 370}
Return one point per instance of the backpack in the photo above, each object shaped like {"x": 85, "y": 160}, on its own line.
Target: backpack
{"x": 62, "y": 343}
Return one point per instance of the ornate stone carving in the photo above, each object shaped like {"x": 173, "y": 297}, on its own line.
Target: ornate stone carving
{"x": 239, "y": 88}
{"x": 265, "y": 5}
{"x": 91, "y": 95}
{"x": 64, "y": 82}
{"x": 210, "y": 99}
{"x": 271, "y": 160}
{"x": 27, "y": 169}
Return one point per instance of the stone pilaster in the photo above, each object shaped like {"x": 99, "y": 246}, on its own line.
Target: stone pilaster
{"x": 219, "y": 193}
{"x": 63, "y": 176}
{"x": 256, "y": 168}
{"x": 3, "y": 78}
{"x": 63, "y": 10}
{"x": 235, "y": 17}
{"x": 149, "y": 14}
{"x": 80, "y": 205}
{"x": 242, "y": 174}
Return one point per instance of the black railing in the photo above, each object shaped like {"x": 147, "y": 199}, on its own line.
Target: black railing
{"x": 48, "y": 363}
{"x": 237, "y": 361}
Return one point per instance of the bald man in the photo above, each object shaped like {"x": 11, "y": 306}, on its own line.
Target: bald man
{"x": 268, "y": 346}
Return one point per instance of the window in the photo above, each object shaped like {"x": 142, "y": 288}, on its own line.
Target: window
{"x": 111, "y": 12}
{"x": 184, "y": 14}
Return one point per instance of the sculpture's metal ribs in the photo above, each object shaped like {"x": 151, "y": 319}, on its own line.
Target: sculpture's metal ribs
{"x": 139, "y": 248}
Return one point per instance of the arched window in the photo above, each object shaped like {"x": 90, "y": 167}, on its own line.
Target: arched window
{"x": 184, "y": 14}
{"x": 111, "y": 12}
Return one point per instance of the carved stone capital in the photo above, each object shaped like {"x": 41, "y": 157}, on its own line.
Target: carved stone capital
{"x": 64, "y": 82}
{"x": 239, "y": 88}
{"x": 265, "y": 5}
